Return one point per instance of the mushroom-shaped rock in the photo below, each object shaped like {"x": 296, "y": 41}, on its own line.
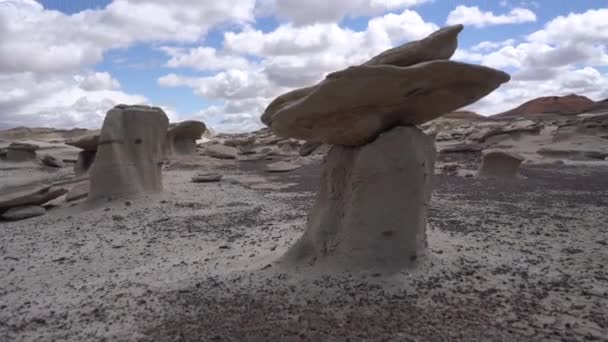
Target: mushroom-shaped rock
{"x": 499, "y": 164}
{"x": 181, "y": 138}
{"x": 84, "y": 162}
{"x": 86, "y": 157}
{"x": 351, "y": 107}
{"x": 86, "y": 143}
{"x": 21, "y": 152}
{"x": 129, "y": 154}
{"x": 370, "y": 211}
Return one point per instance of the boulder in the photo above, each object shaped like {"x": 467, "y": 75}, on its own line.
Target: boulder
{"x": 221, "y": 151}
{"x": 498, "y": 164}
{"x": 240, "y": 142}
{"x": 411, "y": 84}
{"x": 282, "y": 166}
{"x": 371, "y": 208}
{"x": 129, "y": 154}
{"x": 207, "y": 178}
{"x": 308, "y": 148}
{"x": 23, "y": 212}
{"x": 86, "y": 143}
{"x": 18, "y": 152}
{"x": 181, "y": 138}
{"x": 51, "y": 161}
{"x": 352, "y": 106}
{"x": 30, "y": 196}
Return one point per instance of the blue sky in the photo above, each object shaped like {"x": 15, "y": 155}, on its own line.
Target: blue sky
{"x": 65, "y": 63}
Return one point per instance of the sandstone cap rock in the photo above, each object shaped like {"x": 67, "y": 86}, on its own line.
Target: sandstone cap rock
{"x": 189, "y": 129}
{"x": 351, "y": 107}
{"x": 87, "y": 143}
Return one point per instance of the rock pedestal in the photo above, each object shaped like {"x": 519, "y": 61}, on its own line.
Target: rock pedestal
{"x": 128, "y": 159}
{"x": 371, "y": 208}
{"x": 181, "y": 139}
{"x": 88, "y": 144}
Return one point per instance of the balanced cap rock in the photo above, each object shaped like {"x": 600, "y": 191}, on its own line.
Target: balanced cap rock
{"x": 21, "y": 152}
{"x": 351, "y": 107}
{"x": 128, "y": 160}
{"x": 370, "y": 211}
{"x": 181, "y": 138}
{"x": 86, "y": 157}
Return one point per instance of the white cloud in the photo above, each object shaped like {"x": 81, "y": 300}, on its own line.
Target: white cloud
{"x": 322, "y": 11}
{"x": 203, "y": 58}
{"x": 97, "y": 81}
{"x": 473, "y": 16}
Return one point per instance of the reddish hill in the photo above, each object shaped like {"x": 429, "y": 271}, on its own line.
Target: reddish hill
{"x": 569, "y": 104}
{"x": 599, "y": 107}
{"x": 464, "y": 115}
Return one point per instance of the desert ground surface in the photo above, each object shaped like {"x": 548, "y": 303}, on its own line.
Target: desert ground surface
{"x": 520, "y": 259}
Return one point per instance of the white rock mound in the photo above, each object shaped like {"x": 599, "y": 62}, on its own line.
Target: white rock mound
{"x": 129, "y": 154}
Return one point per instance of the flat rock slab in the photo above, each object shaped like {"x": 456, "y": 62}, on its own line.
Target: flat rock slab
{"x": 282, "y": 166}
{"x": 207, "y": 178}
{"x": 221, "y": 151}
{"x": 80, "y": 191}
{"x": 31, "y": 196}
{"x": 23, "y": 212}
{"x": 87, "y": 143}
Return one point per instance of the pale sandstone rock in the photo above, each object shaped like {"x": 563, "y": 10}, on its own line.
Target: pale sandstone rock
{"x": 51, "y": 161}
{"x": 80, "y": 191}
{"x": 352, "y": 106}
{"x": 129, "y": 154}
{"x": 207, "y": 178}
{"x": 18, "y": 152}
{"x": 181, "y": 139}
{"x": 371, "y": 209}
{"x": 498, "y": 164}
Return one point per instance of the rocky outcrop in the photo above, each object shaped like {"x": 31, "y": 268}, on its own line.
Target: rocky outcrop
{"x": 207, "y": 178}
{"x": 498, "y": 164}
{"x": 181, "y": 138}
{"x": 129, "y": 154}
{"x": 370, "y": 211}
{"x": 308, "y": 148}
{"x": 464, "y": 115}
{"x": 30, "y": 196}
{"x": 18, "y": 152}
{"x": 282, "y": 166}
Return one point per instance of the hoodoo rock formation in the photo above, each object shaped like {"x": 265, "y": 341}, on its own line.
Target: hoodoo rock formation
{"x": 129, "y": 154}
{"x": 500, "y": 165}
{"x": 18, "y": 152}
{"x": 181, "y": 138}
{"x": 370, "y": 211}
{"x": 86, "y": 157}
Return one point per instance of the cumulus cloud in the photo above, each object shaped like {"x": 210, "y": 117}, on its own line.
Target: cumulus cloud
{"x": 203, "y": 58}
{"x": 320, "y": 11}
{"x": 293, "y": 56}
{"x": 473, "y": 16}
{"x": 97, "y": 81}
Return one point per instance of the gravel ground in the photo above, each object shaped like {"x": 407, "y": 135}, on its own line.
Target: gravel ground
{"x": 518, "y": 260}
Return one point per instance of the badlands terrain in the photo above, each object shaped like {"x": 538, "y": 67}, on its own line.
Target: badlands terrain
{"x": 518, "y": 259}
{"x": 367, "y": 210}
